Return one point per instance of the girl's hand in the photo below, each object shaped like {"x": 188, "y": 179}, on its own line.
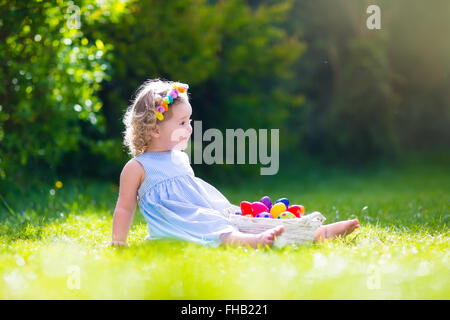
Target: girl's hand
{"x": 116, "y": 243}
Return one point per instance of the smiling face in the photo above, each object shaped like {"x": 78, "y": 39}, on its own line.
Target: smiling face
{"x": 175, "y": 130}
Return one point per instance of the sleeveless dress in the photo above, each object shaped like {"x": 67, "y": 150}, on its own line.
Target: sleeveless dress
{"x": 176, "y": 204}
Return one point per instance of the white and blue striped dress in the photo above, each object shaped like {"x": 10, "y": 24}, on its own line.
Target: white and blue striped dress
{"x": 176, "y": 204}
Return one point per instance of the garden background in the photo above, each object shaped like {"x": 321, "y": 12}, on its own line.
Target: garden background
{"x": 363, "y": 116}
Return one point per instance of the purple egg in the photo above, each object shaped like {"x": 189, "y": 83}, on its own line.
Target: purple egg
{"x": 285, "y": 201}
{"x": 267, "y": 201}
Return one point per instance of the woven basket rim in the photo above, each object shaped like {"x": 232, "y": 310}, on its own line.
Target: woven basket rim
{"x": 230, "y": 214}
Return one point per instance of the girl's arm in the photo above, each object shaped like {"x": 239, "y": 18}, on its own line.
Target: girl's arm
{"x": 130, "y": 180}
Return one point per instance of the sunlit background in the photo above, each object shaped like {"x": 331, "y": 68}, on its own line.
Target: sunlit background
{"x": 336, "y": 90}
{"x": 347, "y": 100}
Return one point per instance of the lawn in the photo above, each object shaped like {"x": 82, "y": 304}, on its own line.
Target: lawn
{"x": 54, "y": 243}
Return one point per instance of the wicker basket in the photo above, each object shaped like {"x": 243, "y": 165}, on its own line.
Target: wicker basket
{"x": 297, "y": 231}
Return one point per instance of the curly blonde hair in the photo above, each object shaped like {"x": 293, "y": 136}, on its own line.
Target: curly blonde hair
{"x": 140, "y": 117}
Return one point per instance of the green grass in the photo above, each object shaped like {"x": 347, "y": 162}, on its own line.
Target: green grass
{"x": 401, "y": 250}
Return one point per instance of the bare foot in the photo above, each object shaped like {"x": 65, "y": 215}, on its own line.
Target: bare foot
{"x": 268, "y": 237}
{"x": 338, "y": 229}
{"x": 253, "y": 240}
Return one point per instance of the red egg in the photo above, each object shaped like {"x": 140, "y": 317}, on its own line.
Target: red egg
{"x": 246, "y": 208}
{"x": 258, "y": 207}
{"x": 297, "y": 210}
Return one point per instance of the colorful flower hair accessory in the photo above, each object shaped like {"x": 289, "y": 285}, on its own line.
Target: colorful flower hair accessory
{"x": 169, "y": 98}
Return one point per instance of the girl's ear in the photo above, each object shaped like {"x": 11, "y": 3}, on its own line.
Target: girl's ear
{"x": 155, "y": 132}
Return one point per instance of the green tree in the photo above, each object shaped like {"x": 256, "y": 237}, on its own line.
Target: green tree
{"x": 236, "y": 58}
{"x": 50, "y": 74}
{"x": 348, "y": 81}
{"x": 372, "y": 93}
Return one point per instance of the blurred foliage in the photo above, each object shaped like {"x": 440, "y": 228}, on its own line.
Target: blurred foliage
{"x": 236, "y": 59}
{"x": 336, "y": 89}
{"x": 50, "y": 76}
{"x": 372, "y": 93}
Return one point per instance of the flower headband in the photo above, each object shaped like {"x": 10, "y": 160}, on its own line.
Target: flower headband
{"x": 168, "y": 99}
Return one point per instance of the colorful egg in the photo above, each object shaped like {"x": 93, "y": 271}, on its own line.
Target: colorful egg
{"x": 263, "y": 215}
{"x": 284, "y": 200}
{"x": 277, "y": 209}
{"x": 297, "y": 210}
{"x": 258, "y": 207}
{"x": 267, "y": 201}
{"x": 246, "y": 208}
{"x": 286, "y": 215}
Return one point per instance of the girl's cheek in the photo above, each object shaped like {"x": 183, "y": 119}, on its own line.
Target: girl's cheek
{"x": 179, "y": 134}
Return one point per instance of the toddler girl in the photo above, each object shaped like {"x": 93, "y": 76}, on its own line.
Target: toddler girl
{"x": 176, "y": 203}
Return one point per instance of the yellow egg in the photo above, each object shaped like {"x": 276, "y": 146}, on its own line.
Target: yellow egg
{"x": 277, "y": 209}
